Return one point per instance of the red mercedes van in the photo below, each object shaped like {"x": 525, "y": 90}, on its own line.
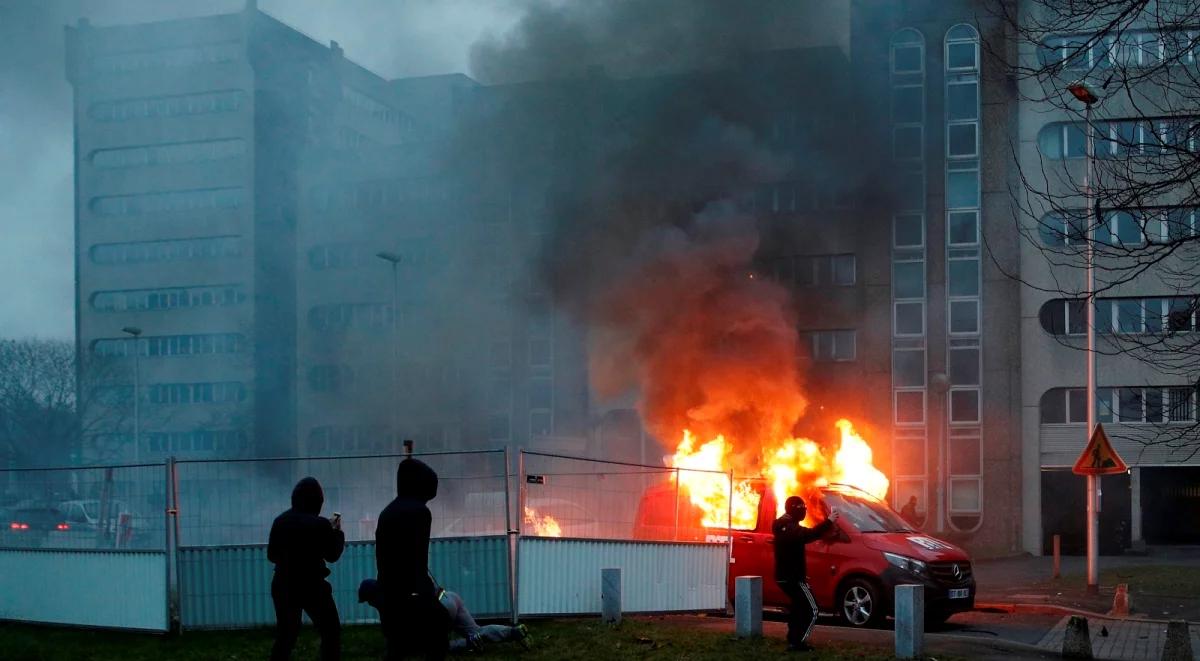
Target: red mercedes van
{"x": 853, "y": 571}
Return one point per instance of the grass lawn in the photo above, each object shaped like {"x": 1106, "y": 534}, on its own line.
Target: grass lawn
{"x": 636, "y": 638}
{"x": 1163, "y": 580}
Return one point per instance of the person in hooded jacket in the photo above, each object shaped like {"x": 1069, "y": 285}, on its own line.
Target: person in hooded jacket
{"x": 301, "y": 542}
{"x": 791, "y": 571}
{"x": 413, "y": 620}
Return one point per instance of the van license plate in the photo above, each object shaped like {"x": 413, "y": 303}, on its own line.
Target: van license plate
{"x": 961, "y": 593}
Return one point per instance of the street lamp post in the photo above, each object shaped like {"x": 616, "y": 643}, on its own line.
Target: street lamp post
{"x": 939, "y": 383}
{"x": 137, "y": 422}
{"x": 394, "y": 259}
{"x": 1084, "y": 94}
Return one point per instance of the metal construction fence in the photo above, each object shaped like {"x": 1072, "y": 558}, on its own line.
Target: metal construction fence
{"x": 189, "y": 537}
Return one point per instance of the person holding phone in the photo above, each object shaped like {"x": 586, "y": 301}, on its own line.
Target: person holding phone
{"x": 791, "y": 536}
{"x": 300, "y": 544}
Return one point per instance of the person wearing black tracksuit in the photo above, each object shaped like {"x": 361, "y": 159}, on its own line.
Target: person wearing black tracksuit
{"x": 790, "y": 571}
{"x": 413, "y": 620}
{"x": 300, "y": 544}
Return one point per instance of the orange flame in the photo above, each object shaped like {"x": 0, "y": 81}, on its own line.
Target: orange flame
{"x": 542, "y": 525}
{"x": 792, "y": 467}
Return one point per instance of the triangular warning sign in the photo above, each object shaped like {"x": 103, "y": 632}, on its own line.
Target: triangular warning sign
{"x": 1099, "y": 457}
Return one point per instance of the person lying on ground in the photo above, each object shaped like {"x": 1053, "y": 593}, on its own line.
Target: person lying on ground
{"x": 471, "y": 634}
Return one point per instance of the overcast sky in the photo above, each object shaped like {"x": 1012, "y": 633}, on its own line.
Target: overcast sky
{"x": 391, "y": 37}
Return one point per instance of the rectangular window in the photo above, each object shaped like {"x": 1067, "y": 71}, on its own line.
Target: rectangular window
{"x": 964, "y": 366}
{"x": 965, "y": 455}
{"x": 843, "y": 270}
{"x": 907, "y": 105}
{"x": 907, "y": 142}
{"x": 964, "y": 227}
{"x": 1076, "y": 321}
{"x": 962, "y": 101}
{"x": 1179, "y": 405}
{"x": 910, "y": 406}
{"x": 1074, "y": 141}
{"x": 908, "y": 452}
{"x": 844, "y": 345}
{"x": 540, "y": 393}
{"x": 910, "y": 319}
{"x": 1128, "y": 315}
{"x": 908, "y": 367}
{"x": 908, "y": 231}
{"x": 909, "y": 279}
{"x": 539, "y": 353}
{"x": 910, "y": 193}
{"x": 962, "y": 140}
{"x": 1125, "y": 228}
{"x": 498, "y": 427}
{"x": 1077, "y": 405}
{"x": 962, "y": 189}
{"x": 964, "y": 277}
{"x": 907, "y": 59}
{"x": 1153, "y": 398}
{"x": 540, "y": 423}
{"x": 964, "y": 405}
{"x": 1179, "y": 315}
{"x": 1105, "y": 412}
{"x": 1129, "y": 403}
{"x": 964, "y": 496}
{"x": 964, "y": 317}
{"x": 1152, "y": 315}
{"x": 961, "y": 56}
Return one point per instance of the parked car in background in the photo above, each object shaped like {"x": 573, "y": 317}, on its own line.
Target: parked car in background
{"x": 87, "y": 514}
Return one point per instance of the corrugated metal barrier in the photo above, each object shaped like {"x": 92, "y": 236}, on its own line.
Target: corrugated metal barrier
{"x": 562, "y": 576}
{"x": 121, "y": 589}
{"x": 225, "y": 587}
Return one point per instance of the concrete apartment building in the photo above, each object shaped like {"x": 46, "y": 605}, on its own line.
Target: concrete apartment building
{"x": 1148, "y": 409}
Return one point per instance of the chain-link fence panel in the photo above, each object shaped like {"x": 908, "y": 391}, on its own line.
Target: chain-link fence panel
{"x": 111, "y": 507}
{"x": 565, "y": 496}
{"x": 235, "y": 502}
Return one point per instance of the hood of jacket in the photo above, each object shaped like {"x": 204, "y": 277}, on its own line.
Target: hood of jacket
{"x": 307, "y": 497}
{"x": 415, "y": 479}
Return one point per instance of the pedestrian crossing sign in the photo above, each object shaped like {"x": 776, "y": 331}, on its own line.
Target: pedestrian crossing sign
{"x": 1099, "y": 457}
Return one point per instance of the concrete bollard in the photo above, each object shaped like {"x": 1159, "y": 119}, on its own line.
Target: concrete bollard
{"x": 1057, "y": 556}
{"x": 1179, "y": 645}
{"x": 910, "y": 621}
{"x": 610, "y": 595}
{"x": 1077, "y": 644}
{"x": 748, "y": 606}
{"x": 1121, "y": 605}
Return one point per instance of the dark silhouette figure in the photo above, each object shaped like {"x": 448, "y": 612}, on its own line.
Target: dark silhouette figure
{"x": 909, "y": 511}
{"x": 301, "y": 543}
{"x": 791, "y": 572}
{"x": 413, "y": 620}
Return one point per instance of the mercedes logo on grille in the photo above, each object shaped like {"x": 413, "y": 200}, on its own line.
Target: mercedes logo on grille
{"x": 957, "y": 571}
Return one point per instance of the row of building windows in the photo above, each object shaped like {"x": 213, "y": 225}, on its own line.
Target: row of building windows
{"x": 1120, "y": 227}
{"x": 220, "y": 392}
{"x": 168, "y": 299}
{"x": 1134, "y": 405}
{"x": 414, "y": 254}
{"x": 541, "y": 352}
{"x": 167, "y": 58}
{"x": 963, "y": 402}
{"x": 833, "y": 345}
{"x": 169, "y": 154}
{"x": 796, "y": 196}
{"x": 334, "y": 439}
{"x": 172, "y": 345}
{"x": 200, "y": 440}
{"x": 1134, "y": 316}
{"x": 376, "y": 110}
{"x": 173, "y": 250}
{"x": 342, "y": 316}
{"x": 814, "y": 270}
{"x": 376, "y": 194}
{"x": 169, "y": 201}
{"x": 181, "y": 105}
{"x": 1129, "y": 48}
{"x": 1121, "y": 138}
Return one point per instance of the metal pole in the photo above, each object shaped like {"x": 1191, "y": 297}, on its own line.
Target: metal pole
{"x": 511, "y": 536}
{"x": 1093, "y": 527}
{"x": 137, "y": 395}
{"x": 395, "y": 347}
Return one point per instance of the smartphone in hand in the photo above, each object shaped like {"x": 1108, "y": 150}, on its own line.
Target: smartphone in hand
{"x": 336, "y": 520}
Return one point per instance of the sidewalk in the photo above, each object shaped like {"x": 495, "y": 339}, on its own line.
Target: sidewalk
{"x": 1161, "y": 584}
{"x": 1126, "y": 640}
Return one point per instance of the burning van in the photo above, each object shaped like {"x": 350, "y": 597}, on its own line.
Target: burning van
{"x": 852, "y": 571}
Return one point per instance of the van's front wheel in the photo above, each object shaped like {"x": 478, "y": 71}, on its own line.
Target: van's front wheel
{"x": 859, "y": 604}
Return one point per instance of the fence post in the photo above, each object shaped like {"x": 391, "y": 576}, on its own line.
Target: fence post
{"x": 174, "y": 599}
{"x": 910, "y": 621}
{"x": 676, "y": 537}
{"x": 747, "y": 606}
{"x": 510, "y": 536}
{"x": 1057, "y": 555}
{"x": 610, "y": 595}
